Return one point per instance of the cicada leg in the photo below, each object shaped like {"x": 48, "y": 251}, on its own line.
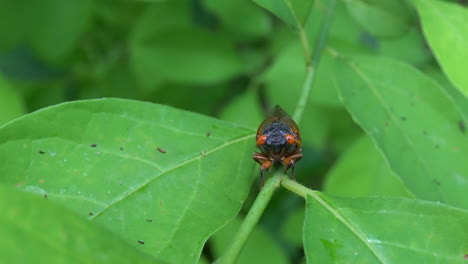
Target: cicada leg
{"x": 265, "y": 164}
{"x": 290, "y": 160}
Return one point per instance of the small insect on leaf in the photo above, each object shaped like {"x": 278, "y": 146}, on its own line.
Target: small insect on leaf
{"x": 93, "y": 145}
{"x": 462, "y": 126}
{"x": 141, "y": 242}
{"x": 161, "y": 150}
{"x": 41, "y": 152}
{"x": 279, "y": 141}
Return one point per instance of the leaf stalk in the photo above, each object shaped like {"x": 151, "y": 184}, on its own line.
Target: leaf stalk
{"x": 251, "y": 220}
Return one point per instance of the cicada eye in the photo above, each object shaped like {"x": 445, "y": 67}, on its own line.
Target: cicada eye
{"x": 261, "y": 140}
{"x": 290, "y": 139}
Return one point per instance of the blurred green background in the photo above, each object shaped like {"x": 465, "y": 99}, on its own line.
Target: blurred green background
{"x": 229, "y": 59}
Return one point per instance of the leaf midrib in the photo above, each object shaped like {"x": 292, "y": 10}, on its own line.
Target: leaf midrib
{"x": 181, "y": 164}
{"x": 315, "y": 195}
{"x": 395, "y": 121}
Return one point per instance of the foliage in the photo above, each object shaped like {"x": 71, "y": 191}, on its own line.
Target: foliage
{"x": 162, "y": 172}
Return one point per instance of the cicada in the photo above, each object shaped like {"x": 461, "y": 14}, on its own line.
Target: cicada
{"x": 279, "y": 141}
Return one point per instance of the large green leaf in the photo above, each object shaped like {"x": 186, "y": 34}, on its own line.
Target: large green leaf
{"x": 34, "y": 230}
{"x": 293, "y": 12}
{"x": 385, "y": 18}
{"x": 383, "y": 230}
{"x": 444, "y": 25}
{"x": 414, "y": 124}
{"x": 361, "y": 172}
{"x": 410, "y": 48}
{"x": 147, "y": 172}
{"x": 458, "y": 98}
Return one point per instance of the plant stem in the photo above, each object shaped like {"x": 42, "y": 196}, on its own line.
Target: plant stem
{"x": 250, "y": 220}
{"x": 296, "y": 187}
{"x": 312, "y": 68}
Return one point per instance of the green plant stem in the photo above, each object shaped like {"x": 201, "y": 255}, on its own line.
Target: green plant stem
{"x": 250, "y": 220}
{"x": 305, "y": 45}
{"x": 312, "y": 68}
{"x": 295, "y": 187}
{"x": 302, "y": 33}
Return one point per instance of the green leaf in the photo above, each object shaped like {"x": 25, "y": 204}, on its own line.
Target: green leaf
{"x": 293, "y": 12}
{"x": 243, "y": 19}
{"x": 345, "y": 34}
{"x": 35, "y": 230}
{"x": 259, "y": 248}
{"x": 444, "y": 25}
{"x": 11, "y": 104}
{"x": 167, "y": 49}
{"x": 413, "y": 122}
{"x": 61, "y": 25}
{"x": 188, "y": 97}
{"x": 383, "y": 230}
{"x": 187, "y": 56}
{"x": 362, "y": 171}
{"x": 15, "y": 28}
{"x": 244, "y": 110}
{"x": 458, "y": 98}
{"x": 383, "y": 18}
{"x": 147, "y": 172}
{"x": 410, "y": 48}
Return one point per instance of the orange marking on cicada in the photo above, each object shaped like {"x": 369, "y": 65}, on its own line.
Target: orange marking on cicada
{"x": 261, "y": 140}
{"x": 290, "y": 139}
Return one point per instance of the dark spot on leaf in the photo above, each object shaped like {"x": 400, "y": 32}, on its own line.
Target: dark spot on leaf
{"x": 208, "y": 133}
{"x": 466, "y": 256}
{"x": 403, "y": 118}
{"x": 425, "y": 132}
{"x": 437, "y": 146}
{"x": 45, "y": 196}
{"x": 121, "y": 148}
{"x": 41, "y": 152}
{"x": 387, "y": 124}
{"x": 141, "y": 242}
{"x": 90, "y": 214}
{"x": 436, "y": 182}
{"x": 160, "y": 203}
{"x": 461, "y": 125}
{"x": 149, "y": 220}
{"x": 93, "y": 145}
{"x": 161, "y": 150}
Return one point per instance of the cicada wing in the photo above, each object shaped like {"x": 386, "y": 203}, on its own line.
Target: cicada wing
{"x": 279, "y": 114}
